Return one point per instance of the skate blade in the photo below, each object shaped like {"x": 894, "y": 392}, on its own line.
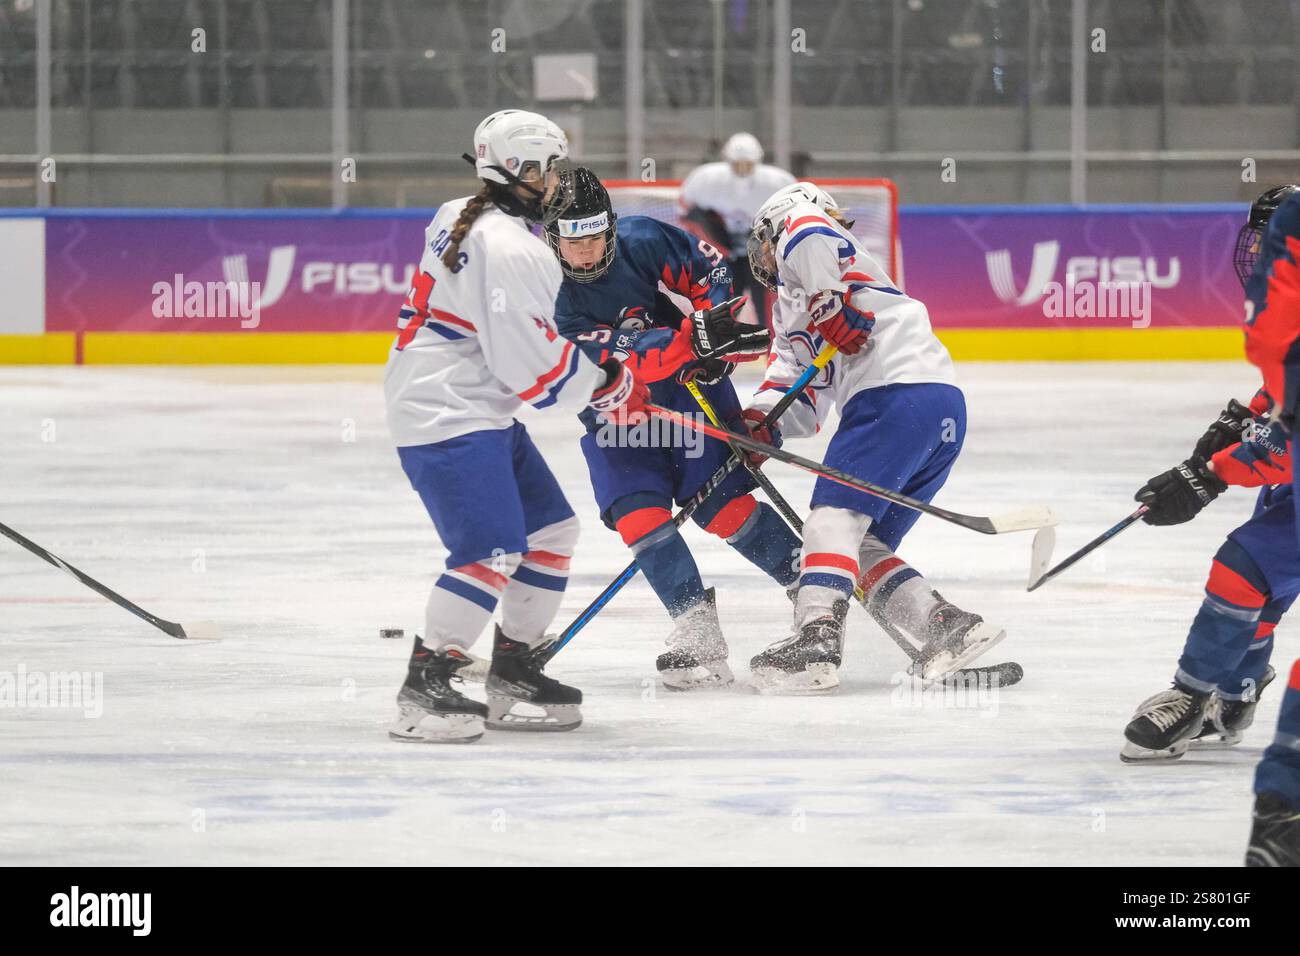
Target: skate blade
{"x": 711, "y": 676}
{"x": 980, "y": 638}
{"x": 1132, "y": 753}
{"x": 1216, "y": 741}
{"x": 416, "y": 726}
{"x": 510, "y": 713}
{"x": 814, "y": 679}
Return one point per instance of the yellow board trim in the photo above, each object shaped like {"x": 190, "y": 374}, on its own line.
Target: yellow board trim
{"x": 1093, "y": 345}
{"x": 365, "y": 348}
{"x": 57, "y": 348}
{"x": 237, "y": 348}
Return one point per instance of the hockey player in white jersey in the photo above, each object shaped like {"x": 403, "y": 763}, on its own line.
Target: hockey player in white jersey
{"x": 718, "y": 202}
{"x": 902, "y": 423}
{"x": 477, "y": 339}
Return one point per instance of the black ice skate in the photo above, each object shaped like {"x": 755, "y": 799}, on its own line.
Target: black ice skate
{"x": 1274, "y": 834}
{"x": 429, "y": 709}
{"x": 806, "y": 662}
{"x": 1164, "y": 725}
{"x": 696, "y": 658}
{"x": 956, "y": 638}
{"x": 521, "y": 697}
{"x": 1226, "y": 720}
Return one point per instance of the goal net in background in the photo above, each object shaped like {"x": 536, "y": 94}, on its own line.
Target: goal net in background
{"x": 872, "y": 204}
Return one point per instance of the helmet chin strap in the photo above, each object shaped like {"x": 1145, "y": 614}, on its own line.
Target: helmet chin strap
{"x": 514, "y": 180}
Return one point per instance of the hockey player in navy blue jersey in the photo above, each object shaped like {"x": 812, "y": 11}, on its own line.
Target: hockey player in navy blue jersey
{"x": 1273, "y": 344}
{"x": 1255, "y": 575}
{"x": 610, "y": 303}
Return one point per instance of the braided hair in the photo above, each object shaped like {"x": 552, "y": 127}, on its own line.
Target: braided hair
{"x": 473, "y": 209}
{"x": 839, "y": 217}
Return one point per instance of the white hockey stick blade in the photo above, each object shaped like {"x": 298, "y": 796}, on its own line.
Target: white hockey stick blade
{"x": 477, "y": 671}
{"x": 202, "y": 631}
{"x": 1040, "y": 556}
{"x": 1023, "y": 519}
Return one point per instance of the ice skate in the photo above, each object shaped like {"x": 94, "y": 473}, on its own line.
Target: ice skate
{"x": 1227, "y": 720}
{"x": 1164, "y": 725}
{"x": 956, "y": 638}
{"x": 429, "y": 709}
{"x": 521, "y": 697}
{"x": 1274, "y": 833}
{"x": 806, "y": 662}
{"x": 696, "y": 658}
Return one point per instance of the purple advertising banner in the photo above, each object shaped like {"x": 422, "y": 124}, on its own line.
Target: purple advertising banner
{"x": 1026, "y": 268}
{"x": 222, "y": 273}
{"x": 981, "y": 267}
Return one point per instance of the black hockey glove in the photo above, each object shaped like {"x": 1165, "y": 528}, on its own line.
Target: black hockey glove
{"x": 1180, "y": 493}
{"x": 716, "y": 334}
{"x": 1225, "y": 431}
{"x": 705, "y": 371}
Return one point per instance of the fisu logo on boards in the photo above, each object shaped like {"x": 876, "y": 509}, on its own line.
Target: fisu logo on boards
{"x": 1093, "y": 286}
{"x": 342, "y": 278}
{"x": 77, "y": 909}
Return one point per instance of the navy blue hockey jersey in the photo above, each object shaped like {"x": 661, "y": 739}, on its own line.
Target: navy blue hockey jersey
{"x": 624, "y": 315}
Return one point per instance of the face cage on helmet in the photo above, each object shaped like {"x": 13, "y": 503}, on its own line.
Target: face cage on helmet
{"x": 762, "y": 235}
{"x": 606, "y": 259}
{"x": 532, "y": 207}
{"x": 1246, "y": 251}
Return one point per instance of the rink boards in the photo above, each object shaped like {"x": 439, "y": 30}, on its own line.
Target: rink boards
{"x": 317, "y": 286}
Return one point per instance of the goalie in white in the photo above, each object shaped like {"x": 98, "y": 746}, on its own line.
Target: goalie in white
{"x": 718, "y": 202}
{"x": 902, "y": 424}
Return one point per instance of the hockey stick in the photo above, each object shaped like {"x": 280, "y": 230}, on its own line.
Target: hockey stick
{"x": 1023, "y": 519}
{"x": 756, "y": 472}
{"x": 1045, "y": 540}
{"x": 688, "y": 509}
{"x": 205, "y": 631}
{"x": 1008, "y": 672}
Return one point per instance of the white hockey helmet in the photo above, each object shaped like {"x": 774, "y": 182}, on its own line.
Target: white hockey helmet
{"x": 742, "y": 148}
{"x": 508, "y": 140}
{"x": 769, "y": 222}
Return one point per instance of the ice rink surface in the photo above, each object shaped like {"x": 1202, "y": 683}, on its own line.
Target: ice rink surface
{"x": 271, "y": 501}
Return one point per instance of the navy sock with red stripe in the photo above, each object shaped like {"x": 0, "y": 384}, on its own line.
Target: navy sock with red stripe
{"x": 1279, "y": 771}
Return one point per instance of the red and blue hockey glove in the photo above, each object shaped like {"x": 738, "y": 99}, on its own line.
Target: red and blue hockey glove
{"x": 756, "y": 421}
{"x": 622, "y": 399}
{"x": 839, "y": 323}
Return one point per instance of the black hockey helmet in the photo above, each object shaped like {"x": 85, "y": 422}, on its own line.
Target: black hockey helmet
{"x": 581, "y": 209}
{"x": 1250, "y": 236}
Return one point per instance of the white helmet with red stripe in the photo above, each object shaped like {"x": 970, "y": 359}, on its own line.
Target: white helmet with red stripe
{"x": 769, "y": 222}
{"x": 509, "y": 141}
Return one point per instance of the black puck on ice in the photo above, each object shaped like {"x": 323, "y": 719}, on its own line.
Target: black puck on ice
{"x": 391, "y": 632}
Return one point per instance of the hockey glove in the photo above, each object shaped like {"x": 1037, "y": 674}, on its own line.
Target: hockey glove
{"x": 706, "y": 371}
{"x": 622, "y": 399}
{"x": 839, "y": 323}
{"x": 716, "y": 334}
{"x": 1225, "y": 431}
{"x": 756, "y": 421}
{"x": 1180, "y": 493}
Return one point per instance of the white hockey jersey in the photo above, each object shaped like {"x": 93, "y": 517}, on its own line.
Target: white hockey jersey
{"x": 735, "y": 198}
{"x": 814, "y": 255}
{"x": 476, "y": 343}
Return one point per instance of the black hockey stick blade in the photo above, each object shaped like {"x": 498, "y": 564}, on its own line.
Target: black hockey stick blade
{"x": 1042, "y": 552}
{"x": 1022, "y": 519}
{"x": 201, "y": 631}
